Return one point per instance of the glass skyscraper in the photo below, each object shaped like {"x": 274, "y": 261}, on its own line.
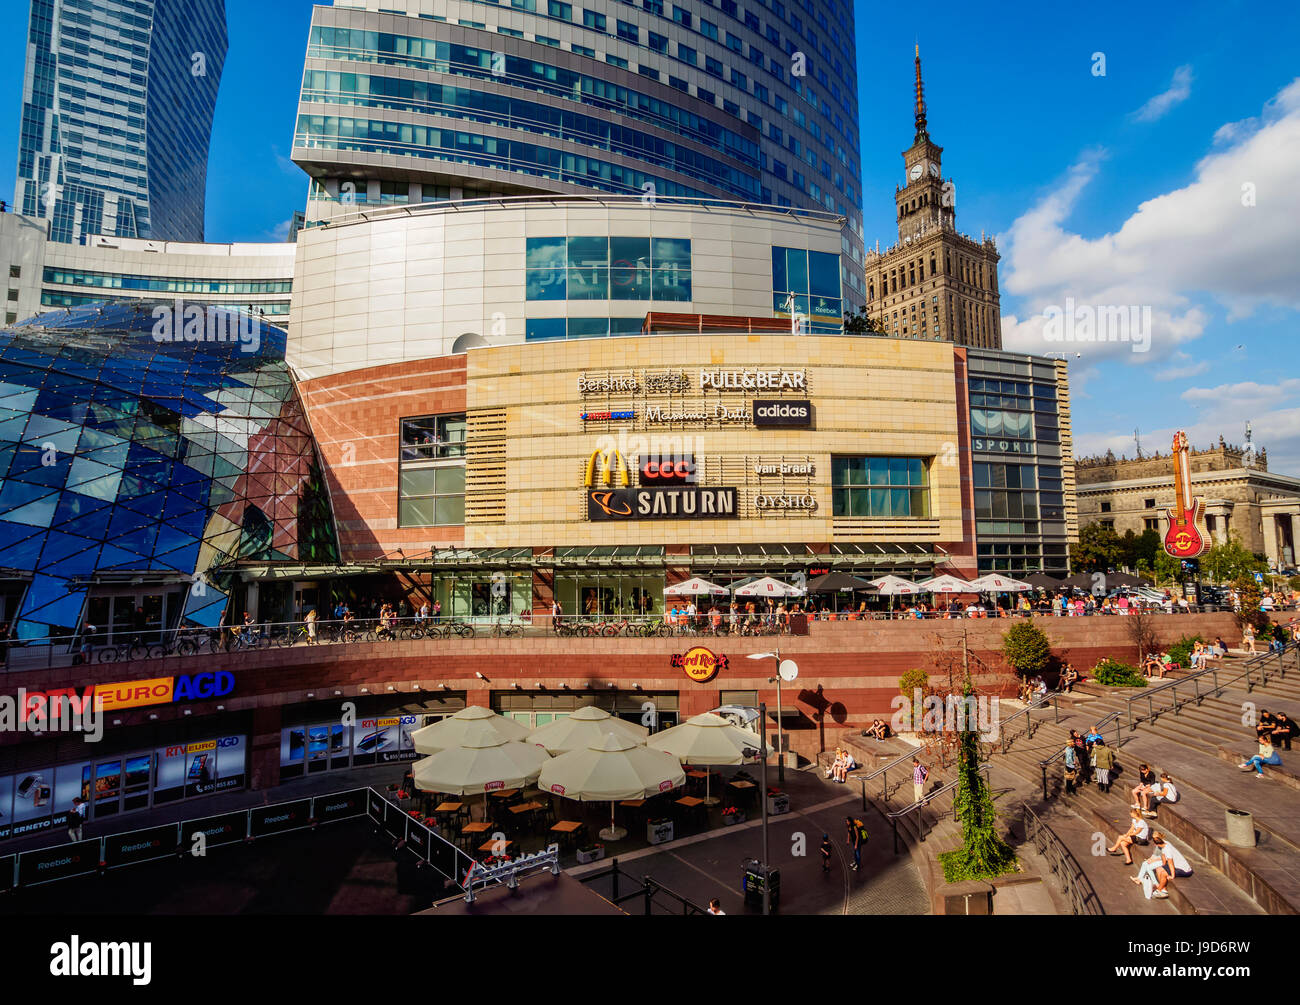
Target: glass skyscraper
{"x": 752, "y": 102}
{"x": 118, "y": 99}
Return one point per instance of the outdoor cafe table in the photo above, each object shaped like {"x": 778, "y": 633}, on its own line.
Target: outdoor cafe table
{"x": 504, "y": 793}
{"x": 568, "y": 829}
{"x": 693, "y": 805}
{"x": 448, "y": 807}
{"x": 496, "y": 847}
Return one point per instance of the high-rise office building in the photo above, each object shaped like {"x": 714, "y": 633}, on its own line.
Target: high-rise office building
{"x": 118, "y": 99}
{"x": 935, "y": 283}
{"x": 703, "y": 99}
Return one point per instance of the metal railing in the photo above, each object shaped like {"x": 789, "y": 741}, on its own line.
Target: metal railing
{"x": 1100, "y": 726}
{"x": 647, "y": 890}
{"x": 896, "y": 815}
{"x": 1078, "y": 888}
{"x": 1255, "y": 672}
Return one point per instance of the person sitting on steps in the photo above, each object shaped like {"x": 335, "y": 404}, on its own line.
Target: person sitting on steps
{"x": 1138, "y": 832}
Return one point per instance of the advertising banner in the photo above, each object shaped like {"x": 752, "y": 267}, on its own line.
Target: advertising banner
{"x": 141, "y": 846}
{"x": 6, "y": 805}
{"x": 686, "y": 502}
{"x": 376, "y": 806}
{"x": 281, "y": 817}
{"x": 448, "y": 860}
{"x": 225, "y": 828}
{"x": 58, "y": 862}
{"x": 776, "y": 412}
{"x": 33, "y": 801}
{"x": 418, "y": 838}
{"x": 339, "y": 806}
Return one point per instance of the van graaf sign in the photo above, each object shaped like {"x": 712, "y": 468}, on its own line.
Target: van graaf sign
{"x": 785, "y": 467}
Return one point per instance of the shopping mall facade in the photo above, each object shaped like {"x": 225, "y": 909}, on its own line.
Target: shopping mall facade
{"x": 539, "y": 344}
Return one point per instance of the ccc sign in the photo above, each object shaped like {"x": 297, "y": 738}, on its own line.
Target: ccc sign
{"x": 612, "y": 464}
{"x": 667, "y": 469}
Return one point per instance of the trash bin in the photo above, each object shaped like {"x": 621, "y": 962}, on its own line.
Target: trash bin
{"x": 1241, "y": 828}
{"x": 753, "y": 881}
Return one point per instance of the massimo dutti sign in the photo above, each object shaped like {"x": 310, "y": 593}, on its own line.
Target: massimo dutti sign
{"x": 662, "y": 502}
{"x": 776, "y": 412}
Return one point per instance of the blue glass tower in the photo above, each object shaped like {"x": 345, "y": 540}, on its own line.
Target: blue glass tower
{"x": 118, "y": 99}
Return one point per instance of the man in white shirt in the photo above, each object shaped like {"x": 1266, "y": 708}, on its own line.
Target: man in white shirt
{"x": 715, "y": 907}
{"x": 691, "y": 611}
{"x": 76, "y": 819}
{"x": 1166, "y": 863}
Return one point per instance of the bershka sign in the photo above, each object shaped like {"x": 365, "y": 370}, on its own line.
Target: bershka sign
{"x": 753, "y": 380}
{"x": 782, "y": 413}
{"x": 688, "y": 502}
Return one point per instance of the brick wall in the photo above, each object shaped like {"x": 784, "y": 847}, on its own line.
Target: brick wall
{"x": 355, "y": 418}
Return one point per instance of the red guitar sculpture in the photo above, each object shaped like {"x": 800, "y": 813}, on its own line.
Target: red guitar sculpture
{"x": 1187, "y": 536}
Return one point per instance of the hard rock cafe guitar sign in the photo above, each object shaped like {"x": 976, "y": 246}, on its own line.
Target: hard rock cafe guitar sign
{"x": 1187, "y": 536}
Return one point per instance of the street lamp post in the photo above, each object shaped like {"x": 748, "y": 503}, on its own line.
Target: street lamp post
{"x": 763, "y": 867}
{"x": 780, "y": 743}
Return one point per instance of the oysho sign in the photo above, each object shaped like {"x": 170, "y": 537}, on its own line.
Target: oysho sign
{"x": 785, "y": 501}
{"x": 753, "y": 380}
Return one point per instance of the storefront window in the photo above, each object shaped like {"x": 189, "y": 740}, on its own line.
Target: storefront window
{"x": 880, "y": 486}
{"x": 607, "y": 268}
{"x": 610, "y": 594}
{"x": 431, "y": 488}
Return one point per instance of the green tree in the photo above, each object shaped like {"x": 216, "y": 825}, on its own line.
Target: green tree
{"x": 1166, "y": 568}
{"x": 861, "y": 323}
{"x": 1098, "y": 549}
{"x": 1026, "y": 648}
{"x": 1229, "y": 561}
{"x": 908, "y": 684}
{"x": 983, "y": 854}
{"x": 1249, "y": 594}
{"x": 1147, "y": 547}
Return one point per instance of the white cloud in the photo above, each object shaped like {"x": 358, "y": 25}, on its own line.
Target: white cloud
{"x": 1273, "y": 410}
{"x": 280, "y": 232}
{"x": 1180, "y": 89}
{"x": 1182, "y": 368}
{"x": 1198, "y": 241}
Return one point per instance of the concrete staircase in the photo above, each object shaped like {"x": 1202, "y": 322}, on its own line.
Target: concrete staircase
{"x": 1200, "y": 746}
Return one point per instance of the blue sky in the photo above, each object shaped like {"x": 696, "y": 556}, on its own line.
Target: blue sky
{"x": 1090, "y": 197}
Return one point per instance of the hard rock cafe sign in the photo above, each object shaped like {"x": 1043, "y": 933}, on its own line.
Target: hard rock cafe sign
{"x": 1187, "y": 536}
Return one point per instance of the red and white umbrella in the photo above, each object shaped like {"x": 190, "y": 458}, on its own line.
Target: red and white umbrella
{"x": 994, "y": 583}
{"x": 768, "y": 587}
{"x": 695, "y": 587}
{"x": 895, "y": 586}
{"x": 947, "y": 584}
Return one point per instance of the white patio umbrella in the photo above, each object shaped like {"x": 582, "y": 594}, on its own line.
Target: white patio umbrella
{"x": 695, "y": 587}
{"x": 451, "y": 731}
{"x": 483, "y": 762}
{"x": 994, "y": 583}
{"x": 768, "y": 587}
{"x": 946, "y": 584}
{"x": 708, "y": 739}
{"x": 894, "y": 586}
{"x": 584, "y": 727}
{"x": 611, "y": 767}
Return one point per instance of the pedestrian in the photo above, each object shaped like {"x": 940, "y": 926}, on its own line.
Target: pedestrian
{"x": 76, "y": 819}
{"x": 1071, "y": 768}
{"x": 715, "y": 907}
{"x": 1284, "y": 730}
{"x": 1103, "y": 758}
{"x": 1138, "y": 832}
{"x": 857, "y": 834}
{"x": 827, "y": 848}
{"x": 920, "y": 773}
{"x": 310, "y": 619}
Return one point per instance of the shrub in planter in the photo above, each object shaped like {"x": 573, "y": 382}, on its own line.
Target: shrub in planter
{"x": 1181, "y": 651}
{"x": 732, "y": 815}
{"x": 1113, "y": 673}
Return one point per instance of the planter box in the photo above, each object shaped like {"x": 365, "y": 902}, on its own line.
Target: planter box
{"x": 732, "y": 819}
{"x": 776, "y": 805}
{"x": 659, "y": 831}
{"x": 586, "y": 855}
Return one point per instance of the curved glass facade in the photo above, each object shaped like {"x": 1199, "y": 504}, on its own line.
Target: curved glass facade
{"x": 125, "y": 449}
{"x": 756, "y": 103}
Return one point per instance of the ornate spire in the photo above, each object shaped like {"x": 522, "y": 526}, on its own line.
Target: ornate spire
{"x": 920, "y": 97}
